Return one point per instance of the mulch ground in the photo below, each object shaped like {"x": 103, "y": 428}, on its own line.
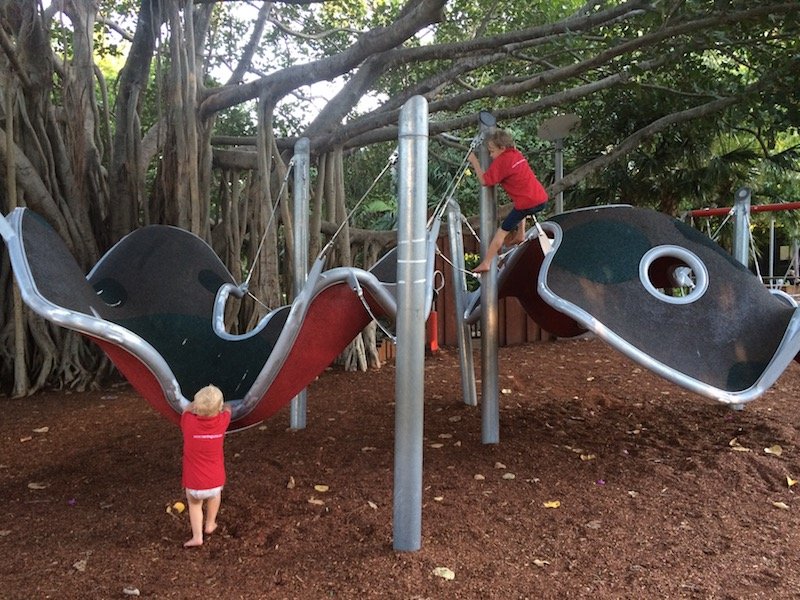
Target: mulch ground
{"x": 608, "y": 482}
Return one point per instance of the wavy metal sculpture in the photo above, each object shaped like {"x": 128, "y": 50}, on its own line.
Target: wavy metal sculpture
{"x": 661, "y": 293}
{"x": 154, "y": 304}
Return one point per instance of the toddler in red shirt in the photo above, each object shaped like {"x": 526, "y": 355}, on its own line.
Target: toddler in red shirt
{"x": 203, "y": 424}
{"x": 511, "y": 171}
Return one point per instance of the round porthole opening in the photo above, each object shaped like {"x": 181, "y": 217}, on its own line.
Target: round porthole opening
{"x": 673, "y": 274}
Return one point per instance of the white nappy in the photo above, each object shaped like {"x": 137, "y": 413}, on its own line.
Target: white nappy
{"x": 204, "y": 494}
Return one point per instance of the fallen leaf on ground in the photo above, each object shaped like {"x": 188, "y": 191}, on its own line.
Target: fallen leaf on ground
{"x": 540, "y": 563}
{"x": 790, "y": 482}
{"x": 509, "y": 476}
{"x": 444, "y": 573}
{"x": 321, "y": 488}
{"x": 372, "y": 505}
{"x": 478, "y": 477}
{"x": 740, "y": 449}
{"x": 27, "y": 438}
{"x": 781, "y": 505}
{"x": 775, "y": 450}
{"x": 552, "y": 504}
{"x": 499, "y": 465}
{"x": 130, "y": 591}
{"x": 35, "y": 485}
{"x": 41, "y": 430}
{"x": 588, "y": 456}
{"x": 290, "y": 484}
{"x": 316, "y": 502}
{"x": 79, "y": 565}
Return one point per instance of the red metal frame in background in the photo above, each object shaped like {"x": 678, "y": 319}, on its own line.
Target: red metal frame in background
{"x": 718, "y": 212}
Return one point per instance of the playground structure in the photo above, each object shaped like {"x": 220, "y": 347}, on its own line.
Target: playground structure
{"x": 155, "y": 304}
{"x": 611, "y": 270}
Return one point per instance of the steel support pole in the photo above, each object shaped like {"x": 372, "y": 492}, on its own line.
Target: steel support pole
{"x": 300, "y": 209}
{"x": 412, "y": 259}
{"x": 772, "y": 252}
{"x": 490, "y": 402}
{"x": 468, "y": 391}
{"x": 741, "y": 239}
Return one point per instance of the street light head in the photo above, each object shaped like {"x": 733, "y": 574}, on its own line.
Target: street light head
{"x": 558, "y": 127}
{"x": 487, "y": 119}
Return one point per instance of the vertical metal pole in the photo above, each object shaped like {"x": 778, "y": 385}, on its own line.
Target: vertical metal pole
{"x": 460, "y": 284}
{"x": 490, "y": 402}
{"x": 302, "y": 158}
{"x": 741, "y": 239}
{"x": 772, "y": 251}
{"x": 411, "y": 284}
{"x": 559, "y": 173}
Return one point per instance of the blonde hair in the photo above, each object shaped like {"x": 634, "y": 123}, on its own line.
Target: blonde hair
{"x": 207, "y": 402}
{"x": 501, "y": 138}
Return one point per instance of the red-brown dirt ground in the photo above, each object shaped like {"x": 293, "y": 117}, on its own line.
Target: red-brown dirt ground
{"x": 660, "y": 493}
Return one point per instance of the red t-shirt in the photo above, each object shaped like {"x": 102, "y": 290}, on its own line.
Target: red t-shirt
{"x": 203, "y": 459}
{"x": 513, "y": 173}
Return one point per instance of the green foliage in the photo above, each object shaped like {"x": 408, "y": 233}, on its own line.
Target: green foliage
{"x": 472, "y": 260}
{"x": 369, "y": 176}
{"x": 239, "y": 120}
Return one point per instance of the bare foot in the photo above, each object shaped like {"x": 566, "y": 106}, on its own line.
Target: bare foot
{"x": 210, "y": 528}
{"x": 192, "y": 543}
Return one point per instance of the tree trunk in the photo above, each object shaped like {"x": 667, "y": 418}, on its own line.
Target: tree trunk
{"x": 126, "y": 180}
{"x": 371, "y": 330}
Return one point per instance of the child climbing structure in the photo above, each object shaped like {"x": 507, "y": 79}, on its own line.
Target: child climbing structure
{"x": 647, "y": 284}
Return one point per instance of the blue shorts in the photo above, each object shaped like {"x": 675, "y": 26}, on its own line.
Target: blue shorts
{"x": 515, "y": 217}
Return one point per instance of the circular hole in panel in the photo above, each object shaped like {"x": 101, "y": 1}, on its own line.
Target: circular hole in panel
{"x": 673, "y": 274}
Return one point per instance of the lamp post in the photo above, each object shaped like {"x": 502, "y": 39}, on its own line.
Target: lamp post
{"x": 555, "y": 129}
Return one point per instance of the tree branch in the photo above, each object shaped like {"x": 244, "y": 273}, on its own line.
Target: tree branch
{"x": 418, "y": 14}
